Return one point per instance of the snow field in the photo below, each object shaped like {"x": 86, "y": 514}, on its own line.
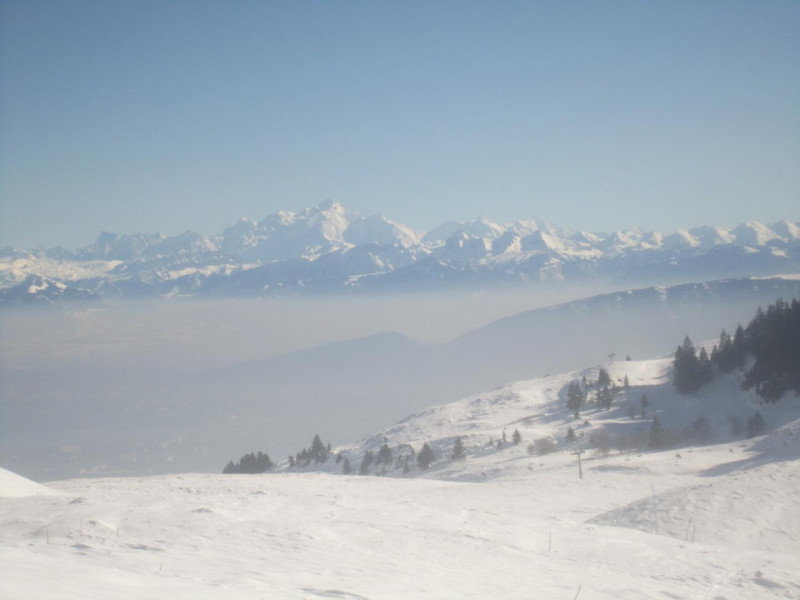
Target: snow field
{"x": 317, "y": 535}
{"x": 702, "y": 523}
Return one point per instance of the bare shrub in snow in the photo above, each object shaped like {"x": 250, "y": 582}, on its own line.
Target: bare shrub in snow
{"x": 601, "y": 440}
{"x": 544, "y": 446}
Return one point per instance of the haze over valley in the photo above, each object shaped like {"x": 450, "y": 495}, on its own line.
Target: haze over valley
{"x": 399, "y": 300}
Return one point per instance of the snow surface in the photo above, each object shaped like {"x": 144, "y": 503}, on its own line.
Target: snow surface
{"x": 711, "y": 522}
{"x": 15, "y": 486}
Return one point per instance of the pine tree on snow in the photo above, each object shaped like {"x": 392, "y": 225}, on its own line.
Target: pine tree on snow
{"x": 458, "y": 450}
{"x": 425, "y": 456}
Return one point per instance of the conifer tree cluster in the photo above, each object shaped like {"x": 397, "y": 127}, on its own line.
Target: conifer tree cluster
{"x": 771, "y": 339}
{"x": 605, "y": 392}
{"x": 318, "y": 453}
{"x": 729, "y": 354}
{"x": 387, "y": 459}
{"x": 249, "y": 463}
{"x": 690, "y": 370}
{"x": 384, "y": 456}
{"x": 576, "y": 397}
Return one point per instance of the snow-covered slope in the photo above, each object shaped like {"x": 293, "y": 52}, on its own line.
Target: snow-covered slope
{"x": 706, "y": 522}
{"x": 537, "y": 410}
{"x": 360, "y": 253}
{"x": 15, "y": 486}
{"x": 37, "y": 290}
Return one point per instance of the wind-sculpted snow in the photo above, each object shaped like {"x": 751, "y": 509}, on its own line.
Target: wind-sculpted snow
{"x": 333, "y": 249}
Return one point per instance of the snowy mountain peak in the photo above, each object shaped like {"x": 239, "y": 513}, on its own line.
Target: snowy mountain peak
{"x": 475, "y": 228}
{"x": 368, "y": 253}
{"x": 712, "y": 236}
{"x": 753, "y": 233}
{"x": 786, "y": 229}
{"x": 680, "y": 239}
{"x": 381, "y": 231}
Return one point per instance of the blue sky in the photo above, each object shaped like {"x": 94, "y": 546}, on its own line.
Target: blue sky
{"x": 175, "y": 115}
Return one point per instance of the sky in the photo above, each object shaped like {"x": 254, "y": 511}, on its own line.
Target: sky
{"x": 144, "y": 116}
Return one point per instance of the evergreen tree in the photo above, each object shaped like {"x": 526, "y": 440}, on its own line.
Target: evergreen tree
{"x": 458, "y": 450}
{"x": 603, "y": 378}
{"x": 657, "y": 435}
{"x": 725, "y": 355}
{"x": 366, "y": 463}
{"x": 644, "y": 403}
{"x": 384, "y": 455}
{"x": 570, "y": 435}
{"x": 755, "y": 425}
{"x": 574, "y": 398}
{"x": 318, "y": 452}
{"x": 701, "y": 430}
{"x": 425, "y": 457}
{"x": 346, "y": 468}
{"x": 704, "y": 369}
{"x": 517, "y": 437}
{"x": 735, "y": 424}
{"x": 685, "y": 368}
{"x": 739, "y": 348}
{"x": 626, "y": 382}
{"x": 604, "y": 398}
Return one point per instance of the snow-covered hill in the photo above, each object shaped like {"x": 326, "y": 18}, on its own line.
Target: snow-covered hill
{"x": 537, "y": 409}
{"x": 706, "y": 522}
{"x": 331, "y": 248}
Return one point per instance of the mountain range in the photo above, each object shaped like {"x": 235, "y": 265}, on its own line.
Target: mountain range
{"x": 333, "y": 249}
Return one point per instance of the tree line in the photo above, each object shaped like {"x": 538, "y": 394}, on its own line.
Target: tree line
{"x": 771, "y": 342}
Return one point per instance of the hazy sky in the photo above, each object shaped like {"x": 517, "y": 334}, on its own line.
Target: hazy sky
{"x": 174, "y": 115}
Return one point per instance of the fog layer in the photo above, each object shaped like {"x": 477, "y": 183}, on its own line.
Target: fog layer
{"x": 156, "y": 387}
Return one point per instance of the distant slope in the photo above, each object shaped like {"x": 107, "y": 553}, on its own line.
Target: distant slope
{"x": 36, "y": 290}
{"x": 638, "y": 322}
{"x": 537, "y": 409}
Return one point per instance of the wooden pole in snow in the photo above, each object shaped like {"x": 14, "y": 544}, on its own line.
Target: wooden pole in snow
{"x": 580, "y": 466}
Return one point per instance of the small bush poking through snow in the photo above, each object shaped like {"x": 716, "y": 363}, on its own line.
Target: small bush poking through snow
{"x": 544, "y": 446}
